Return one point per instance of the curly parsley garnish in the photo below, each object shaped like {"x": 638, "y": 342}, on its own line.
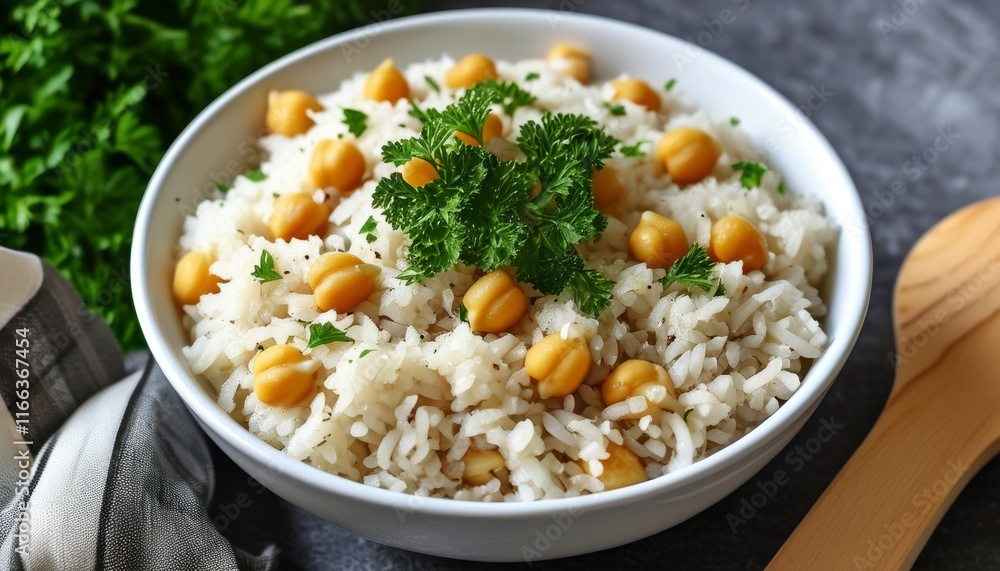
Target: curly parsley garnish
{"x": 368, "y": 229}
{"x": 492, "y": 213}
{"x": 265, "y": 271}
{"x": 751, "y": 173}
{"x": 694, "y": 269}
{"x": 323, "y": 333}
{"x": 355, "y": 121}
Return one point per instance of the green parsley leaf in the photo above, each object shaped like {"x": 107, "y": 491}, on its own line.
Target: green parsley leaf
{"x": 463, "y": 313}
{"x": 430, "y": 81}
{"x": 255, "y": 175}
{"x": 686, "y": 413}
{"x": 694, "y": 269}
{"x": 365, "y": 353}
{"x": 633, "y": 150}
{"x": 368, "y": 229}
{"x": 265, "y": 271}
{"x": 751, "y": 173}
{"x": 670, "y": 84}
{"x": 734, "y": 121}
{"x": 507, "y": 94}
{"x": 323, "y": 333}
{"x": 355, "y": 121}
{"x": 490, "y": 213}
{"x": 221, "y": 187}
{"x": 616, "y": 109}
{"x": 532, "y": 76}
{"x": 781, "y": 188}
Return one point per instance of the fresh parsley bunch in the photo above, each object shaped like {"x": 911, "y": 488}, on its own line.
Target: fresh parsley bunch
{"x": 488, "y": 212}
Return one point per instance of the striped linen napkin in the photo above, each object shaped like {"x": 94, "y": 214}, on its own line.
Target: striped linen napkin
{"x": 101, "y": 467}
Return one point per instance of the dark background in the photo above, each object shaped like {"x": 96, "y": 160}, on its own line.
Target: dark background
{"x": 895, "y": 84}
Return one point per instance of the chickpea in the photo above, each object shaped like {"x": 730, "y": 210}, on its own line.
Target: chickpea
{"x": 297, "y": 215}
{"x": 286, "y": 112}
{"x": 495, "y": 303}
{"x": 559, "y": 365}
{"x": 479, "y": 466}
{"x": 386, "y": 83}
{"x": 736, "y": 238}
{"x": 571, "y": 61}
{"x": 688, "y": 154}
{"x": 337, "y": 163}
{"x": 621, "y": 468}
{"x": 340, "y": 281}
{"x": 637, "y": 91}
{"x": 418, "y": 172}
{"x": 282, "y": 375}
{"x": 192, "y": 278}
{"x": 492, "y": 128}
{"x": 636, "y": 377}
{"x": 657, "y": 240}
{"x": 608, "y": 189}
{"x": 469, "y": 71}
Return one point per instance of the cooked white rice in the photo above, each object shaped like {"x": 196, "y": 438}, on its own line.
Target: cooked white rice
{"x": 428, "y": 388}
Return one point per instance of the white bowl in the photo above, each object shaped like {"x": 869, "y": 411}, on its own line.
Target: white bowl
{"x": 220, "y": 139}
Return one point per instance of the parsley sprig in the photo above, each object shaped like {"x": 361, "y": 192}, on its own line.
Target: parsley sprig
{"x": 323, "y": 333}
{"x": 751, "y": 173}
{"x": 694, "y": 269}
{"x": 491, "y": 213}
{"x": 265, "y": 272}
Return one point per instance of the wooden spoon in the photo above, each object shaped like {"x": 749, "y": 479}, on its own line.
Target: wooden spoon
{"x": 941, "y": 423}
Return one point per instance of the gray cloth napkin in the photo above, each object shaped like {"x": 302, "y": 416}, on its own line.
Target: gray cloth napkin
{"x": 99, "y": 469}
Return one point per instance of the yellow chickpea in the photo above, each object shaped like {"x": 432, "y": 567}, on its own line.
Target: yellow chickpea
{"x": 559, "y": 365}
{"x": 621, "y": 468}
{"x": 341, "y": 281}
{"x": 418, "y": 172}
{"x": 657, "y": 240}
{"x": 571, "y": 61}
{"x": 492, "y": 128}
{"x": 286, "y": 112}
{"x": 688, "y": 154}
{"x": 297, "y": 215}
{"x": 608, "y": 189}
{"x": 337, "y": 163}
{"x": 386, "y": 83}
{"x": 480, "y": 466}
{"x": 282, "y": 375}
{"x": 192, "y": 278}
{"x": 636, "y": 377}
{"x": 469, "y": 71}
{"x": 637, "y": 91}
{"x": 495, "y": 303}
{"x": 736, "y": 238}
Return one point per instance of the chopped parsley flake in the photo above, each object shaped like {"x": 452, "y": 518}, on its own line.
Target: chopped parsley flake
{"x": 365, "y": 353}
{"x": 686, "y": 413}
{"x": 255, "y": 175}
{"x": 634, "y": 150}
{"x": 694, "y": 269}
{"x": 265, "y": 271}
{"x": 616, "y": 109}
{"x": 734, "y": 121}
{"x": 221, "y": 187}
{"x": 463, "y": 313}
{"x": 670, "y": 84}
{"x": 430, "y": 81}
{"x": 532, "y": 76}
{"x": 323, "y": 333}
{"x": 368, "y": 229}
{"x": 781, "y": 188}
{"x": 751, "y": 173}
{"x": 355, "y": 121}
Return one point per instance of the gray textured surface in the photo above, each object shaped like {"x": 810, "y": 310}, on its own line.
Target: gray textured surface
{"x": 893, "y": 90}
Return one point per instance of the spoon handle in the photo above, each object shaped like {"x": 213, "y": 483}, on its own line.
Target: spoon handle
{"x": 886, "y": 501}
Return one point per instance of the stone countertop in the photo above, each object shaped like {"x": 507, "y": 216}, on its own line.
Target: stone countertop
{"x": 898, "y": 75}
